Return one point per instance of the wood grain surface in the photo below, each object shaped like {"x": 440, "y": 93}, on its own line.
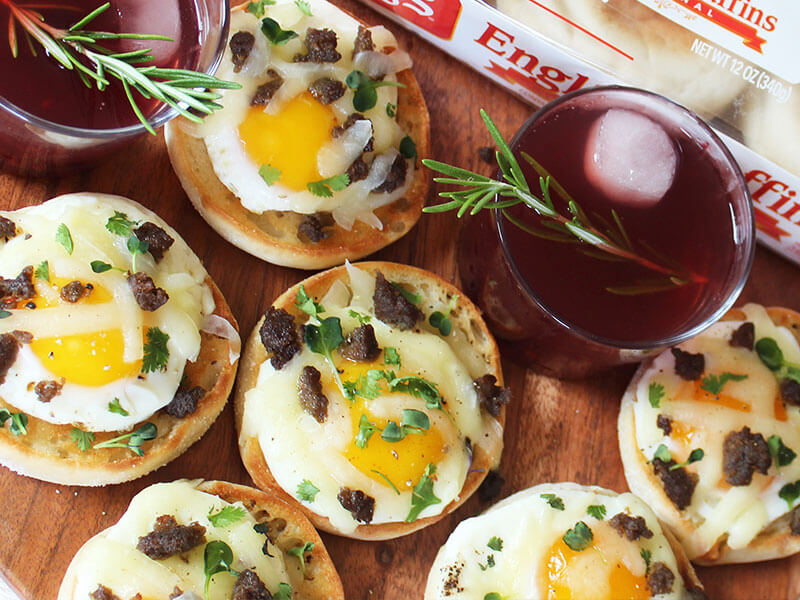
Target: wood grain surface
{"x": 556, "y": 430}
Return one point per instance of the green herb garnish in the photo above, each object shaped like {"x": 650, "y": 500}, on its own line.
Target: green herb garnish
{"x": 98, "y": 266}
{"x": 226, "y": 516}
{"x": 273, "y": 32}
{"x": 419, "y": 388}
{"x": 136, "y": 247}
{"x": 410, "y": 296}
{"x": 782, "y": 455}
{"x": 441, "y": 320}
{"x": 304, "y": 7}
{"x": 217, "y": 558}
{"x": 646, "y": 557}
{"x": 495, "y": 543}
{"x": 772, "y": 356}
{"x": 387, "y": 480}
{"x": 713, "y": 384}
{"x": 492, "y": 596}
{"x": 156, "y": 353}
{"x": 413, "y": 421}
{"x": 408, "y": 148}
{"x": 790, "y": 492}
{"x": 553, "y": 500}
{"x": 284, "y": 592}
{"x": 325, "y": 187}
{"x": 655, "y": 393}
{"x": 694, "y": 456}
{"x": 609, "y": 237}
{"x": 489, "y": 563}
{"x": 4, "y": 314}
{"x": 19, "y": 421}
{"x": 305, "y": 303}
{"x": 64, "y": 237}
{"x": 83, "y": 439}
{"x": 135, "y": 438}
{"x": 662, "y": 453}
{"x": 43, "y": 271}
{"x": 598, "y": 511}
{"x": 115, "y": 407}
{"x": 579, "y": 537}
{"x": 269, "y": 174}
{"x": 300, "y": 552}
{"x": 422, "y": 495}
{"x": 80, "y": 50}
{"x": 391, "y": 110}
{"x": 257, "y": 8}
{"x": 365, "y": 95}
{"x": 362, "y": 319}
{"x": 307, "y": 491}
{"x": 324, "y": 339}
{"x": 391, "y": 356}
{"x": 365, "y": 431}
{"x": 120, "y": 224}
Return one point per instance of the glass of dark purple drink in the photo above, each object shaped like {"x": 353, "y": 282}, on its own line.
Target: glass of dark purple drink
{"x": 652, "y": 176}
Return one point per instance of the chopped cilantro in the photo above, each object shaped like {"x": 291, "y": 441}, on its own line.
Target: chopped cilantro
{"x": 419, "y": 388}
{"x": 489, "y": 563}
{"x": 120, "y": 224}
{"x": 495, "y": 543}
{"x": 284, "y": 592}
{"x": 410, "y": 296}
{"x": 156, "y": 353}
{"x": 304, "y": 7}
{"x": 273, "y": 32}
{"x": 307, "y": 491}
{"x": 64, "y": 237}
{"x": 365, "y": 431}
{"x": 713, "y": 384}
{"x": 655, "y": 393}
{"x": 269, "y": 174}
{"x": 19, "y": 421}
{"x": 306, "y": 303}
{"x": 227, "y": 515}
{"x": 782, "y": 454}
{"x": 83, "y": 439}
{"x": 598, "y": 511}
{"x": 362, "y": 319}
{"x": 646, "y": 556}
{"x": 257, "y": 8}
{"x": 390, "y": 356}
{"x": 662, "y": 453}
{"x": 43, "y": 271}
{"x": 553, "y": 500}
{"x": 325, "y": 187}
{"x": 579, "y": 537}
{"x": 115, "y": 407}
{"x": 135, "y": 438}
{"x": 422, "y": 495}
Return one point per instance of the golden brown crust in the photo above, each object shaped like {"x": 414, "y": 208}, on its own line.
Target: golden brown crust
{"x": 775, "y": 541}
{"x": 48, "y": 452}
{"x": 466, "y": 318}
{"x": 272, "y": 236}
{"x": 321, "y": 581}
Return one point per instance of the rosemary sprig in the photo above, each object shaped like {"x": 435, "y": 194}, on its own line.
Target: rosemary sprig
{"x": 610, "y": 242}
{"x": 184, "y": 90}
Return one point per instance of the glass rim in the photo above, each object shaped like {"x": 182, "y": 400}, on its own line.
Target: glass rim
{"x": 748, "y": 213}
{"x": 162, "y": 115}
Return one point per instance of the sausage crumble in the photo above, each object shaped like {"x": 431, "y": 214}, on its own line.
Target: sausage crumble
{"x": 743, "y": 453}
{"x": 9, "y": 348}
{"x": 688, "y": 366}
{"x": 279, "y": 336}
{"x": 678, "y": 483}
{"x": 148, "y": 296}
{"x": 266, "y": 91}
{"x": 361, "y": 506}
{"x": 313, "y": 401}
{"x": 74, "y": 291}
{"x": 103, "y": 593}
{"x": 392, "y": 307}
{"x": 321, "y": 44}
{"x": 491, "y": 396}
{"x": 315, "y": 227}
{"x": 363, "y": 41}
{"x": 790, "y": 391}
{"x": 396, "y": 176}
{"x": 168, "y": 538}
{"x": 660, "y": 579}
{"x": 326, "y": 90}
{"x": 744, "y": 336}
{"x": 185, "y": 402}
{"x": 361, "y": 344}
{"x": 241, "y": 44}
{"x": 7, "y": 228}
{"x": 250, "y": 587}
{"x": 20, "y": 288}
{"x": 47, "y": 390}
{"x": 664, "y": 423}
{"x": 158, "y": 240}
{"x": 353, "y": 118}
{"x": 632, "y": 528}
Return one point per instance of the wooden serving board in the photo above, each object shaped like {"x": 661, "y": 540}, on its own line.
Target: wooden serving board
{"x": 555, "y": 430}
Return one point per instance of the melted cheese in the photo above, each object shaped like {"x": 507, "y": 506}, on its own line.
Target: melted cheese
{"x": 292, "y": 133}
{"x": 718, "y": 509}
{"x": 111, "y": 558}
{"x": 535, "y": 563}
{"x": 297, "y": 447}
{"x": 95, "y": 346}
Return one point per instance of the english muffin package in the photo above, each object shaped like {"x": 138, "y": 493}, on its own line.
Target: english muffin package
{"x": 731, "y": 61}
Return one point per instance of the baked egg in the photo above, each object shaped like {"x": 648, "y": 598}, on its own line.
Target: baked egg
{"x": 709, "y": 433}
{"x": 559, "y": 541}
{"x": 371, "y": 433}
{"x": 313, "y": 127}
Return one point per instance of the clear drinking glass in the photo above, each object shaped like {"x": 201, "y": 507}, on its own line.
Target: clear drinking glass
{"x": 563, "y": 308}
{"x": 35, "y": 146}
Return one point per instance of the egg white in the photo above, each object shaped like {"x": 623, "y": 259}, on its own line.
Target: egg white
{"x": 182, "y": 317}
{"x": 297, "y": 447}
{"x": 239, "y": 172}
{"x": 110, "y": 558}
{"x": 528, "y": 526}
{"x": 740, "y": 511}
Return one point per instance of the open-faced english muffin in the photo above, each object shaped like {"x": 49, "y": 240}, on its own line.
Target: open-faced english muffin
{"x": 117, "y": 351}
{"x": 316, "y": 159}
{"x": 563, "y": 540}
{"x": 189, "y": 540}
{"x": 709, "y": 432}
{"x": 372, "y": 396}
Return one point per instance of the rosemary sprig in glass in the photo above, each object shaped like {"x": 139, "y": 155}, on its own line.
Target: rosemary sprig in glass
{"x": 184, "y": 90}
{"x": 609, "y": 242}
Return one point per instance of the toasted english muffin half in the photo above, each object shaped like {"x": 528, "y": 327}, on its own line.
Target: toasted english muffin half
{"x": 308, "y": 233}
{"x": 413, "y": 427}
{"x": 269, "y": 538}
{"x": 736, "y": 501}
{"x": 95, "y": 389}
{"x": 565, "y": 539}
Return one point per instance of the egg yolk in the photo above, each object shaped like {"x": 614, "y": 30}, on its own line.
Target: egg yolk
{"x": 571, "y": 575}
{"x": 289, "y": 140}
{"x": 403, "y": 462}
{"x": 91, "y": 359}
{"x": 725, "y": 400}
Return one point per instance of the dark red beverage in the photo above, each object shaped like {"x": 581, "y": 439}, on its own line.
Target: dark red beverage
{"x": 42, "y": 87}
{"x": 681, "y": 201}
